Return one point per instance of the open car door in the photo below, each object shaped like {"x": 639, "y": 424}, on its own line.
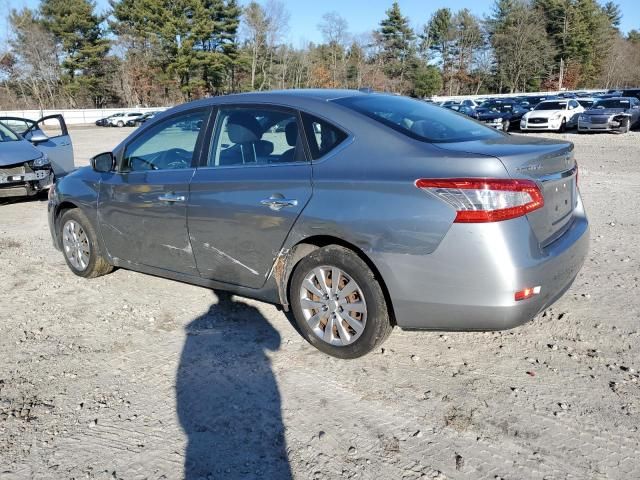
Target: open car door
{"x": 49, "y": 135}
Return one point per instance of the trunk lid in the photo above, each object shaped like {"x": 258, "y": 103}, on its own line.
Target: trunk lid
{"x": 550, "y": 163}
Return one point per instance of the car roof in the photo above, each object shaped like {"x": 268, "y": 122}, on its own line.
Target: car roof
{"x": 620, "y": 97}
{"x": 292, "y": 97}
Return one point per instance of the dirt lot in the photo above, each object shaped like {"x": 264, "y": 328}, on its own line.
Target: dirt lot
{"x": 133, "y": 377}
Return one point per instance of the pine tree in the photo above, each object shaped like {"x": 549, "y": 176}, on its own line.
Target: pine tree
{"x": 398, "y": 44}
{"x": 78, "y": 31}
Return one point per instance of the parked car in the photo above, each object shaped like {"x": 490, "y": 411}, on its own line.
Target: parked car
{"x": 611, "y": 115}
{"x": 30, "y": 159}
{"x": 536, "y": 99}
{"x": 122, "y": 119}
{"x": 586, "y": 102}
{"x": 138, "y": 120}
{"x": 102, "y": 122}
{"x": 524, "y": 102}
{"x": 456, "y": 104}
{"x": 367, "y": 211}
{"x": 501, "y": 114}
{"x": 555, "y": 115}
{"x": 467, "y": 110}
{"x": 631, "y": 92}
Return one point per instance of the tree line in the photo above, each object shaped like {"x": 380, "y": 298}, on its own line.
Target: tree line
{"x": 64, "y": 54}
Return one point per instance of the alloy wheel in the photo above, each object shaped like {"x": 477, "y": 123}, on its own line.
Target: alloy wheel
{"x": 76, "y": 245}
{"x": 333, "y": 305}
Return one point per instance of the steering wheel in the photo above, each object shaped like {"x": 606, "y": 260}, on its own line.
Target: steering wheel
{"x": 176, "y": 158}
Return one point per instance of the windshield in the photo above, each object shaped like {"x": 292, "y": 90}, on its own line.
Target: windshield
{"x": 497, "y": 106}
{"x": 418, "y": 119}
{"x": 6, "y": 135}
{"x": 613, "y": 103}
{"x": 551, "y": 106}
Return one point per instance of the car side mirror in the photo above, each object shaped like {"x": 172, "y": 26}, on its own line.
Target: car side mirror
{"x": 38, "y": 137}
{"x": 104, "y": 162}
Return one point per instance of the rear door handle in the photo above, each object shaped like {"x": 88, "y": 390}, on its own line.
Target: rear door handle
{"x": 171, "y": 198}
{"x": 278, "y": 203}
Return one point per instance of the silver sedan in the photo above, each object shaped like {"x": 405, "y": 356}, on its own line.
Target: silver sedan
{"x": 354, "y": 211}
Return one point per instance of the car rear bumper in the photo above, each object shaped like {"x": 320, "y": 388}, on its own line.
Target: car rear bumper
{"x": 469, "y": 281}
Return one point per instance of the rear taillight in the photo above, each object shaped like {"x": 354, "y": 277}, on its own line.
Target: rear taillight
{"x": 478, "y": 200}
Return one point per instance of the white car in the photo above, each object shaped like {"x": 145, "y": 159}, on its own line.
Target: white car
{"x": 121, "y": 119}
{"x": 555, "y": 115}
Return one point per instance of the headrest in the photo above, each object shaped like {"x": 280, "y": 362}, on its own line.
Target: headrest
{"x": 243, "y": 128}
{"x": 263, "y": 148}
{"x": 291, "y": 132}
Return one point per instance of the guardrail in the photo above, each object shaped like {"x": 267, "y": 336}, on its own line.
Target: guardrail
{"x": 77, "y": 116}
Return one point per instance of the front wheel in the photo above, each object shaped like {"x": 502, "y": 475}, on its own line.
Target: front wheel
{"x": 563, "y": 126}
{"x": 120, "y": 123}
{"x": 626, "y": 126}
{"x": 505, "y": 125}
{"x": 80, "y": 246}
{"x": 338, "y": 303}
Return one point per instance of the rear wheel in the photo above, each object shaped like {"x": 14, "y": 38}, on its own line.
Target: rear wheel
{"x": 338, "y": 304}
{"x": 80, "y": 246}
{"x": 505, "y": 125}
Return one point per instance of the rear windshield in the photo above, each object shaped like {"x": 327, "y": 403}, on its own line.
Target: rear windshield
{"x": 418, "y": 119}
{"x": 612, "y": 104}
{"x": 551, "y": 106}
{"x": 6, "y": 135}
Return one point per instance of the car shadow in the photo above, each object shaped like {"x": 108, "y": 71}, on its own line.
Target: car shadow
{"x": 228, "y": 401}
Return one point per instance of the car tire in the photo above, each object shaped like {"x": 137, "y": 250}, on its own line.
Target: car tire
{"x": 120, "y": 123}
{"x": 77, "y": 234}
{"x": 353, "y": 333}
{"x": 505, "y": 126}
{"x": 626, "y": 126}
{"x": 563, "y": 126}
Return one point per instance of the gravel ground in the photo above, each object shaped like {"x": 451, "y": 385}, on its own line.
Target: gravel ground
{"x": 135, "y": 377}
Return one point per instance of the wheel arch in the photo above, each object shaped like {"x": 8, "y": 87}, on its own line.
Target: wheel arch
{"x": 59, "y": 212}
{"x": 307, "y": 245}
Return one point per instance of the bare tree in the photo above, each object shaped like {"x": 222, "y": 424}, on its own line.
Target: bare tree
{"x": 334, "y": 29}
{"x": 36, "y": 68}
{"x": 255, "y": 29}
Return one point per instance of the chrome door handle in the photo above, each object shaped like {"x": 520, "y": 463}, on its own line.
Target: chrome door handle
{"x": 171, "y": 198}
{"x": 275, "y": 203}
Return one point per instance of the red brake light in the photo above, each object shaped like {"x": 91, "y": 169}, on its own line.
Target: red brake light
{"x": 479, "y": 200}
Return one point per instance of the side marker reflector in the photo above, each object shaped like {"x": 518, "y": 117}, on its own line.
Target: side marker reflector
{"x": 527, "y": 293}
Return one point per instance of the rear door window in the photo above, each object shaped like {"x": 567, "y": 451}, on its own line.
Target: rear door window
{"x": 250, "y": 136}
{"x": 321, "y": 135}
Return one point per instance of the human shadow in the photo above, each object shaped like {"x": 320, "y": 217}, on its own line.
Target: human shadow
{"x": 228, "y": 401}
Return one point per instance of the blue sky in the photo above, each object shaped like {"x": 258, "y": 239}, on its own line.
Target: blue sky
{"x": 362, "y": 15}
